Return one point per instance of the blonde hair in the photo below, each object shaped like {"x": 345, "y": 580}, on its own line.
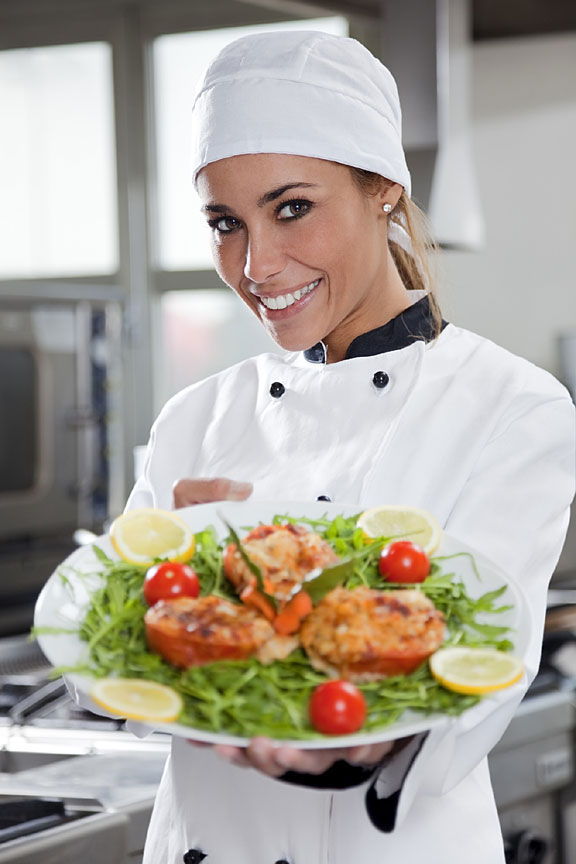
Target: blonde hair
{"x": 418, "y": 268}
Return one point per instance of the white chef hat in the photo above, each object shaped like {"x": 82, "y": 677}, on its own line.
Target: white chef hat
{"x": 303, "y": 93}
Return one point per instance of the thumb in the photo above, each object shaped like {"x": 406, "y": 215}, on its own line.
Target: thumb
{"x": 203, "y": 490}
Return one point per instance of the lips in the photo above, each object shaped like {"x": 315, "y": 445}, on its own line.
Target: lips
{"x": 282, "y": 301}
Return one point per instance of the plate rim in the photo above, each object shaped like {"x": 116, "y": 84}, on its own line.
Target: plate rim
{"x": 413, "y": 724}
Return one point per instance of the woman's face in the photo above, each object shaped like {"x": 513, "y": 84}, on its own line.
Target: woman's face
{"x": 303, "y": 246}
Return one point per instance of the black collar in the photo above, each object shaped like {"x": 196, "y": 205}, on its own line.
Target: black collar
{"x": 412, "y": 325}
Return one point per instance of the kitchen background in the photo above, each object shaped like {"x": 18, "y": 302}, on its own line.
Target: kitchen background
{"x": 109, "y": 304}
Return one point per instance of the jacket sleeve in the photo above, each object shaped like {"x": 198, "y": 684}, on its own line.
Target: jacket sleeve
{"x": 514, "y": 508}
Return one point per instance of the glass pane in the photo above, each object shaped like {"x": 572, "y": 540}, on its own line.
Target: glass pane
{"x": 204, "y": 332}
{"x": 179, "y": 60}
{"x": 57, "y": 162}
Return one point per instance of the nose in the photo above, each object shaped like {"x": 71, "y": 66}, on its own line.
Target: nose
{"x": 264, "y": 257}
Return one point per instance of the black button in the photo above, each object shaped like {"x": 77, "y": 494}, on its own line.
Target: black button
{"x": 277, "y": 390}
{"x": 282, "y": 861}
{"x": 323, "y": 498}
{"x": 380, "y": 380}
{"x": 194, "y": 856}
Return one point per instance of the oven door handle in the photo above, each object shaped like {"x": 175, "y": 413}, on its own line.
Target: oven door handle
{"x": 36, "y": 700}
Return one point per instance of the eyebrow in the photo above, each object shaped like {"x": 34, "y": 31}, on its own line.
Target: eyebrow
{"x": 265, "y": 199}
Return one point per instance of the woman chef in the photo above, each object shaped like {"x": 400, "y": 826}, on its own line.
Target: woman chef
{"x": 300, "y": 169}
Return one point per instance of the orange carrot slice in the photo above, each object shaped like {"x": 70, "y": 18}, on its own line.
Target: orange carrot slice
{"x": 252, "y": 597}
{"x": 289, "y": 619}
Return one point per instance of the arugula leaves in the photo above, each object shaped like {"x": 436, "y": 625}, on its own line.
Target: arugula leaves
{"x": 248, "y": 698}
{"x": 320, "y": 582}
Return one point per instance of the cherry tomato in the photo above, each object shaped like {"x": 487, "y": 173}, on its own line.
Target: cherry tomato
{"x": 404, "y": 561}
{"x": 168, "y": 580}
{"x": 337, "y": 708}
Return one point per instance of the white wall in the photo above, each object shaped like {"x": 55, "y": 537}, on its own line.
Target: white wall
{"x": 520, "y": 290}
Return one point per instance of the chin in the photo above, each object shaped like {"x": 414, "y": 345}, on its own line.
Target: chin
{"x": 294, "y": 342}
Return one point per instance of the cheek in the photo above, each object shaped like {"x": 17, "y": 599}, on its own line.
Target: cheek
{"x": 316, "y": 246}
{"x": 226, "y": 260}
{"x": 335, "y": 244}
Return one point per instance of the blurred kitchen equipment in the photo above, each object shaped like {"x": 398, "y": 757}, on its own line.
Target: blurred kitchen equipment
{"x": 47, "y": 419}
{"x": 533, "y": 766}
{"x": 436, "y": 74}
{"x": 68, "y": 830}
{"x": 567, "y": 357}
{"x": 74, "y": 786}
{"x": 53, "y": 442}
{"x": 530, "y": 766}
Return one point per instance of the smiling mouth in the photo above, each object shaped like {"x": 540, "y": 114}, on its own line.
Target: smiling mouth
{"x": 282, "y": 301}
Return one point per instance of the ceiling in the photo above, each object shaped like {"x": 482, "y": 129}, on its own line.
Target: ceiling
{"x": 495, "y": 19}
{"x": 491, "y": 19}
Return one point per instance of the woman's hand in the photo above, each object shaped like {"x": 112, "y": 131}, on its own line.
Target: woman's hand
{"x": 274, "y": 760}
{"x": 203, "y": 490}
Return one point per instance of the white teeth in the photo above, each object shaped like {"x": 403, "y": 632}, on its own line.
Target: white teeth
{"x": 308, "y": 288}
{"x": 284, "y": 300}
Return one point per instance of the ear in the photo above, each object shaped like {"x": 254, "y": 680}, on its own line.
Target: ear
{"x": 389, "y": 194}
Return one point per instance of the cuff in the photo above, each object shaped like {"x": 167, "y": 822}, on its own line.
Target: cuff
{"x": 383, "y": 795}
{"x": 388, "y": 774}
{"x": 340, "y": 775}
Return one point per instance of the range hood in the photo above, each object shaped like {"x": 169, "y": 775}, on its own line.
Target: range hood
{"x": 427, "y": 46}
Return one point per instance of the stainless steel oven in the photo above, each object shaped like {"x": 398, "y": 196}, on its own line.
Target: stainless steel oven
{"x": 532, "y": 767}
{"x": 53, "y": 442}
{"x": 74, "y": 786}
{"x": 38, "y": 429}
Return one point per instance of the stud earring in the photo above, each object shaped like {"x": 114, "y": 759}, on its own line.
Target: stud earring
{"x": 386, "y": 208}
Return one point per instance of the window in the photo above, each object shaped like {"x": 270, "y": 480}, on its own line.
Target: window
{"x": 57, "y": 162}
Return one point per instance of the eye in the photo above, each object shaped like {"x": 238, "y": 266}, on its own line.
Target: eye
{"x": 293, "y": 209}
{"x": 224, "y": 224}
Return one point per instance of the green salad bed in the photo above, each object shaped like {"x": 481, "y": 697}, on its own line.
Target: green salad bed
{"x": 247, "y": 698}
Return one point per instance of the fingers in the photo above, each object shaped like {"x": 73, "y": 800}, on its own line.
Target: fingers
{"x": 307, "y": 761}
{"x": 264, "y": 755}
{"x": 318, "y": 761}
{"x": 359, "y": 755}
{"x": 368, "y": 754}
{"x": 236, "y": 755}
{"x": 202, "y": 490}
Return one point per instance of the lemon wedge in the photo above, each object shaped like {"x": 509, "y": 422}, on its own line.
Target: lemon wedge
{"x": 402, "y": 523}
{"x": 137, "y": 699}
{"x": 141, "y": 536}
{"x": 475, "y": 670}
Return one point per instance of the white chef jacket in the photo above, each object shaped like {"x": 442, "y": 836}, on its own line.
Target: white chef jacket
{"x": 479, "y": 437}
